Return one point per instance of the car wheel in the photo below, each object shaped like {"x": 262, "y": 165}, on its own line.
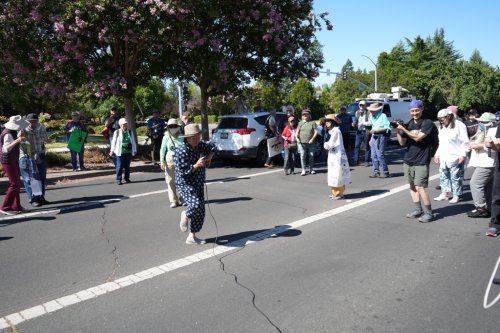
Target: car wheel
{"x": 262, "y": 154}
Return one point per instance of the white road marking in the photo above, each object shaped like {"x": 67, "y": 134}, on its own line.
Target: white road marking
{"x": 102, "y": 289}
{"x": 487, "y": 293}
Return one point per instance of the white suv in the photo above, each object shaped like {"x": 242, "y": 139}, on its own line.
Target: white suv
{"x": 242, "y": 135}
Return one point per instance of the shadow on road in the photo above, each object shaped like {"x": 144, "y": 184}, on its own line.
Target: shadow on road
{"x": 228, "y": 200}
{"x": 5, "y": 238}
{"x": 364, "y": 194}
{"x": 19, "y": 219}
{"x": 239, "y": 239}
{"x": 227, "y": 179}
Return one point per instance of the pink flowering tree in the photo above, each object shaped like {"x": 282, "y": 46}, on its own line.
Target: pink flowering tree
{"x": 115, "y": 46}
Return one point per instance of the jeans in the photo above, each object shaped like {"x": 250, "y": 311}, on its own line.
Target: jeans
{"x": 24, "y": 168}
{"x": 378, "y": 154}
{"x": 80, "y": 158}
{"x": 123, "y": 165}
{"x": 452, "y": 179}
{"x": 306, "y": 151}
{"x": 362, "y": 136}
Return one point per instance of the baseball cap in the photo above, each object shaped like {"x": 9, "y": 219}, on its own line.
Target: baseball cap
{"x": 416, "y": 104}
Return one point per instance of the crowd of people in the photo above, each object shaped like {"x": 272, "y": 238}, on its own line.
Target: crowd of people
{"x": 183, "y": 156}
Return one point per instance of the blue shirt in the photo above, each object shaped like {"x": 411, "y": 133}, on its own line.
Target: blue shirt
{"x": 156, "y": 121}
{"x": 380, "y": 121}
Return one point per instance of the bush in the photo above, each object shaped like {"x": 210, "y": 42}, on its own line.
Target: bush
{"x": 142, "y": 130}
{"x": 55, "y": 125}
{"x": 212, "y": 119}
{"x": 96, "y": 155}
{"x": 57, "y": 159}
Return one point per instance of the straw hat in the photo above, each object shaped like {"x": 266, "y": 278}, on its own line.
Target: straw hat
{"x": 16, "y": 123}
{"x": 171, "y": 122}
{"x": 191, "y": 130}
{"x": 333, "y": 118}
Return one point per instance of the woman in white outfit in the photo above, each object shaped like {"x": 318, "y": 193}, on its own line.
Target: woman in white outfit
{"x": 453, "y": 146}
{"x": 338, "y": 165}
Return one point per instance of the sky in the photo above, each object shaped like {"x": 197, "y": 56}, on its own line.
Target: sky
{"x": 369, "y": 27}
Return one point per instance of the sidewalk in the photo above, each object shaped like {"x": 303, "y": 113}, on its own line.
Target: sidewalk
{"x": 57, "y": 174}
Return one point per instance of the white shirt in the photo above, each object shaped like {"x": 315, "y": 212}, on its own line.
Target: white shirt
{"x": 453, "y": 143}
{"x": 480, "y": 158}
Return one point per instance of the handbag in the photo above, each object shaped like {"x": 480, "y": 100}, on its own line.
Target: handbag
{"x": 292, "y": 145}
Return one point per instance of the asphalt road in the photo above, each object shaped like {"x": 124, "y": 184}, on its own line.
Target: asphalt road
{"x": 108, "y": 258}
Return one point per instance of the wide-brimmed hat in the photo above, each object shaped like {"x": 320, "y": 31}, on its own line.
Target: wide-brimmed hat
{"x": 122, "y": 121}
{"x": 171, "y": 122}
{"x": 375, "y": 107}
{"x": 16, "y": 123}
{"x": 191, "y": 130}
{"x": 333, "y": 118}
{"x": 487, "y": 117}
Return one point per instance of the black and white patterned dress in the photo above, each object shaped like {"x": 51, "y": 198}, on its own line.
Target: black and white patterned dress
{"x": 190, "y": 184}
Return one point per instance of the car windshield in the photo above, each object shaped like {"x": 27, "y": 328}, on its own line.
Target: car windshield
{"x": 233, "y": 122}
{"x": 352, "y": 108}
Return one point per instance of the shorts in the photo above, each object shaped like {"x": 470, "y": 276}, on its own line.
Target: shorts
{"x": 417, "y": 174}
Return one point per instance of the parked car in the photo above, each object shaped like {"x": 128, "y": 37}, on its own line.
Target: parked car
{"x": 242, "y": 136}
{"x": 497, "y": 115}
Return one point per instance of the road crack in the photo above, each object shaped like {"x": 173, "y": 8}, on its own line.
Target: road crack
{"x": 114, "y": 251}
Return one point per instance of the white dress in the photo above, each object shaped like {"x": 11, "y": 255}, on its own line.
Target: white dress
{"x": 339, "y": 173}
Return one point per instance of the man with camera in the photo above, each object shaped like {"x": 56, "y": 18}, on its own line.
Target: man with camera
{"x": 416, "y": 136}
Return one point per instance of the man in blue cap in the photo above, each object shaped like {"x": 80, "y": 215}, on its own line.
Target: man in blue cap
{"x": 418, "y": 138}
{"x": 156, "y": 128}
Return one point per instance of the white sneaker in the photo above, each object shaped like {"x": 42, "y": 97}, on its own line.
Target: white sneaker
{"x": 173, "y": 205}
{"x": 303, "y": 173}
{"x": 184, "y": 222}
{"x": 191, "y": 240}
{"x": 442, "y": 197}
{"x": 313, "y": 172}
{"x": 455, "y": 199}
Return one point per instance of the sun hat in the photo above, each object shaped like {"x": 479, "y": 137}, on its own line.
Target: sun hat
{"x": 333, "y": 118}
{"x": 362, "y": 103}
{"x": 487, "y": 117}
{"x": 122, "y": 121}
{"x": 171, "y": 122}
{"x": 374, "y": 107}
{"x": 444, "y": 112}
{"x": 416, "y": 104}
{"x": 191, "y": 130}
{"x": 16, "y": 123}
{"x": 32, "y": 116}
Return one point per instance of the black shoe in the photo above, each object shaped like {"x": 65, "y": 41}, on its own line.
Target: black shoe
{"x": 44, "y": 202}
{"x": 119, "y": 182}
{"x": 479, "y": 212}
{"x": 128, "y": 181}
{"x": 375, "y": 175}
{"x": 438, "y": 187}
{"x": 385, "y": 175}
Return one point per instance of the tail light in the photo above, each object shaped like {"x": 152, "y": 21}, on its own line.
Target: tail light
{"x": 245, "y": 131}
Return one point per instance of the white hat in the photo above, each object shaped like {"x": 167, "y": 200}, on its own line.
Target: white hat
{"x": 487, "y": 117}
{"x": 122, "y": 121}
{"x": 444, "y": 112}
{"x": 16, "y": 123}
{"x": 374, "y": 107}
{"x": 172, "y": 121}
{"x": 362, "y": 103}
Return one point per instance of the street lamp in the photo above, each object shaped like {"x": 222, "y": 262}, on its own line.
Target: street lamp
{"x": 374, "y": 64}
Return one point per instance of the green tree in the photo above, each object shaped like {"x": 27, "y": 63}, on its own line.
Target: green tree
{"x": 303, "y": 94}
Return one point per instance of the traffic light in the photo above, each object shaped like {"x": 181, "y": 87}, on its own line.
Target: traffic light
{"x": 344, "y": 75}
{"x": 185, "y": 94}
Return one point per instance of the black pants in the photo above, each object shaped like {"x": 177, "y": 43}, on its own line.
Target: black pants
{"x": 155, "y": 148}
{"x": 495, "y": 200}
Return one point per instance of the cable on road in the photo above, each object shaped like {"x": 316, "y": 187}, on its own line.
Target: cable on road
{"x": 234, "y": 276}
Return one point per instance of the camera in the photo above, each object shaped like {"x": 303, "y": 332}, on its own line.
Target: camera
{"x": 396, "y": 123}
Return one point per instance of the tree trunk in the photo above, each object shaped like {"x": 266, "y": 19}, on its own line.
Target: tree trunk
{"x": 129, "y": 115}
{"x": 204, "y": 110}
